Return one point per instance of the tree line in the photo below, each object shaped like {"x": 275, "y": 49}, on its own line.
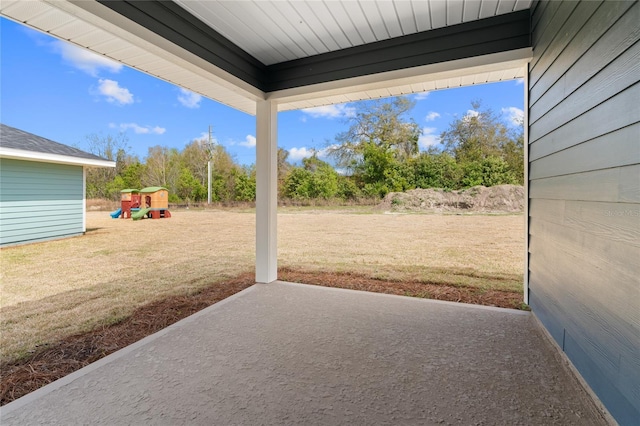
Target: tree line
{"x": 378, "y": 153}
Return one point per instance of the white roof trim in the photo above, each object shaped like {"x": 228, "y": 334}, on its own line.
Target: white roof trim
{"x": 102, "y": 17}
{"x": 43, "y": 157}
{"x": 356, "y": 87}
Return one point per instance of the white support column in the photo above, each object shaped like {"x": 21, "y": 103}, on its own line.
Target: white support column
{"x": 526, "y": 185}
{"x": 266, "y": 192}
{"x": 84, "y": 199}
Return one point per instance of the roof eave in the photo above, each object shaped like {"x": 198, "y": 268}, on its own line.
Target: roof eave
{"x": 357, "y": 87}
{"x": 43, "y": 157}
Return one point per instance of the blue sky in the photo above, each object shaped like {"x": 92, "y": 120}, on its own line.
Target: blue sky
{"x": 61, "y": 92}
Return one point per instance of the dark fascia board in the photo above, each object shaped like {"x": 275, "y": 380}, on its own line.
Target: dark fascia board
{"x": 175, "y": 24}
{"x": 491, "y": 35}
{"x": 485, "y": 36}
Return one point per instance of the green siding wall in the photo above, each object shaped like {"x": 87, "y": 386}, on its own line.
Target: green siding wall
{"x": 584, "y": 190}
{"x": 39, "y": 201}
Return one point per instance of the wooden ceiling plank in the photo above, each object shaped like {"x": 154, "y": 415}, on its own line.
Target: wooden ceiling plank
{"x": 422, "y": 14}
{"x": 390, "y": 17}
{"x": 488, "y": 8}
{"x": 438, "y": 13}
{"x": 359, "y": 21}
{"x": 320, "y": 10}
{"x": 406, "y": 17}
{"x": 316, "y": 28}
{"x": 375, "y": 20}
{"x": 454, "y": 11}
{"x": 471, "y": 10}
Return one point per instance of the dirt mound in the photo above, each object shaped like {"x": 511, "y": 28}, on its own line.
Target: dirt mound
{"x": 478, "y": 199}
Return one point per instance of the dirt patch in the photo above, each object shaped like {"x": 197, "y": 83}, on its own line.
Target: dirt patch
{"x": 51, "y": 362}
{"x": 478, "y": 199}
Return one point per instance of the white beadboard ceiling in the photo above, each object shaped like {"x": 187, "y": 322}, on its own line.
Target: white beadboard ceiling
{"x": 277, "y": 31}
{"x": 282, "y": 30}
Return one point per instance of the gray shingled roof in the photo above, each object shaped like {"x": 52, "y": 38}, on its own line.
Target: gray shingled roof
{"x": 10, "y": 137}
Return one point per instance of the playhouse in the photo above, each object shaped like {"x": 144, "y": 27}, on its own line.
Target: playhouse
{"x": 151, "y": 202}
{"x": 154, "y": 203}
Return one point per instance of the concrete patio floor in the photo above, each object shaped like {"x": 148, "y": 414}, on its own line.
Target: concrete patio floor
{"x": 287, "y": 353}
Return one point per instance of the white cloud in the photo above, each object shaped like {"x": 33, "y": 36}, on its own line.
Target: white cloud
{"x": 297, "y": 154}
{"x": 140, "y": 130}
{"x": 429, "y": 137}
{"x": 432, "y": 116}
{"x": 85, "y": 60}
{"x": 324, "y": 152}
{"x": 421, "y": 96}
{"x": 204, "y": 138}
{"x": 519, "y": 81}
{"x": 515, "y": 116}
{"x": 471, "y": 113}
{"x": 341, "y": 171}
{"x": 331, "y": 111}
{"x": 249, "y": 141}
{"x": 189, "y": 99}
{"x": 114, "y": 93}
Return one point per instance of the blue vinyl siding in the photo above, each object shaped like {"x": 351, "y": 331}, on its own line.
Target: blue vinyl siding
{"x": 39, "y": 201}
{"x": 584, "y": 190}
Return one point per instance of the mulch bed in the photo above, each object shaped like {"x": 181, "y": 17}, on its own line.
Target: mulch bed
{"x": 53, "y": 361}
{"x": 502, "y": 299}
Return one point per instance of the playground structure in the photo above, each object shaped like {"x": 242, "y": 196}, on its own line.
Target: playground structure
{"x": 129, "y": 202}
{"x": 151, "y": 202}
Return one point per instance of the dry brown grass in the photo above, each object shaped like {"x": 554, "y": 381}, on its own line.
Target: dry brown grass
{"x": 484, "y": 251}
{"x": 55, "y": 289}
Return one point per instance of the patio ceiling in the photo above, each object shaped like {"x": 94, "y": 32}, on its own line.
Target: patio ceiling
{"x": 280, "y": 31}
{"x": 300, "y": 53}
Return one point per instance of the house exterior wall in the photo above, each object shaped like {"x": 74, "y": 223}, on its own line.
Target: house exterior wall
{"x": 584, "y": 191}
{"x": 39, "y": 201}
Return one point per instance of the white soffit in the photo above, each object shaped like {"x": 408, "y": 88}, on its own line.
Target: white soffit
{"x": 446, "y": 75}
{"x": 280, "y": 30}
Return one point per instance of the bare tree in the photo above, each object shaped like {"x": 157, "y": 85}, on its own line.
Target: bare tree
{"x": 162, "y": 168}
{"x": 113, "y": 148}
{"x": 195, "y": 157}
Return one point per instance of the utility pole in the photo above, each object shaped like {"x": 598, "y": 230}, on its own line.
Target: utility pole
{"x": 209, "y": 171}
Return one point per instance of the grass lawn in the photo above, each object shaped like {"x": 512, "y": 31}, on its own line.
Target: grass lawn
{"x": 55, "y": 289}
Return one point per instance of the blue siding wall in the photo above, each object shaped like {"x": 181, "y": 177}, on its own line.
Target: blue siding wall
{"x": 39, "y": 201}
{"x": 584, "y": 190}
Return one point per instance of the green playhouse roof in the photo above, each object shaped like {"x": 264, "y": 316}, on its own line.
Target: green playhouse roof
{"x": 153, "y": 189}
{"x": 130, "y": 190}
